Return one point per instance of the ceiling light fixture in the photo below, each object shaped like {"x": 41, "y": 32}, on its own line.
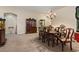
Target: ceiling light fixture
{"x": 51, "y": 15}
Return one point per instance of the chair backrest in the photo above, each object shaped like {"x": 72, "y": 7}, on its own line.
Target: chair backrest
{"x": 69, "y": 33}
{"x": 44, "y": 29}
{"x": 57, "y": 29}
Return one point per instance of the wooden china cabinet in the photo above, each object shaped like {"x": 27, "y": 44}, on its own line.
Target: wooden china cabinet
{"x": 2, "y": 32}
{"x": 31, "y": 25}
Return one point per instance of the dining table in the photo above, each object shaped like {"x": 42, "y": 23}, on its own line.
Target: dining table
{"x": 53, "y": 36}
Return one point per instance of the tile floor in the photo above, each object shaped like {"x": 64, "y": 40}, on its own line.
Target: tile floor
{"x": 30, "y": 43}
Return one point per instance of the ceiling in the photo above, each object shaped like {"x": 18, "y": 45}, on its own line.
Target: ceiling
{"x": 40, "y": 9}
{"x": 35, "y": 9}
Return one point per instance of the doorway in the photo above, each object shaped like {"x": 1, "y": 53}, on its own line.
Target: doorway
{"x": 11, "y": 23}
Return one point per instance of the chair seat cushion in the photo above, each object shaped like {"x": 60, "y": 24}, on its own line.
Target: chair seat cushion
{"x": 64, "y": 39}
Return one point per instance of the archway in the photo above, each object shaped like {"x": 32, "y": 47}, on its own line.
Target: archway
{"x": 11, "y": 23}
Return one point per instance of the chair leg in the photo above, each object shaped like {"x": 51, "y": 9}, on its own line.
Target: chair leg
{"x": 62, "y": 47}
{"x": 43, "y": 39}
{"x": 39, "y": 38}
{"x": 53, "y": 42}
{"x": 57, "y": 42}
{"x": 48, "y": 42}
{"x": 70, "y": 45}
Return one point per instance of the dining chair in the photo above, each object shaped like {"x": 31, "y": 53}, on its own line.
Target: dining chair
{"x": 67, "y": 38}
{"x": 51, "y": 37}
{"x": 40, "y": 35}
{"x": 44, "y": 34}
{"x": 57, "y": 29}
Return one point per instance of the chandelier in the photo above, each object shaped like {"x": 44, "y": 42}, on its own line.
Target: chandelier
{"x": 51, "y": 15}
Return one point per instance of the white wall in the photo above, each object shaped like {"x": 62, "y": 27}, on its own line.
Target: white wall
{"x": 10, "y": 22}
{"x": 47, "y": 20}
{"x": 65, "y": 16}
{"x": 22, "y": 14}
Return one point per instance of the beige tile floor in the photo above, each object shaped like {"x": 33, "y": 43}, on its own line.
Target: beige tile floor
{"x": 30, "y": 43}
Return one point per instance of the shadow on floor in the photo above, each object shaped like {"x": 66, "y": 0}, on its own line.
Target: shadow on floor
{"x": 43, "y": 47}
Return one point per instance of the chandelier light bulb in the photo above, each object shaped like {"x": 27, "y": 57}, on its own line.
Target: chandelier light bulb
{"x": 51, "y": 14}
{"x": 54, "y": 14}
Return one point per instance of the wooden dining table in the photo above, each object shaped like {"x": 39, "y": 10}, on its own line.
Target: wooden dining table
{"x": 54, "y": 36}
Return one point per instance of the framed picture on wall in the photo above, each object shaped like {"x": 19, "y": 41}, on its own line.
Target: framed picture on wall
{"x": 77, "y": 18}
{"x": 77, "y": 12}
{"x": 42, "y": 22}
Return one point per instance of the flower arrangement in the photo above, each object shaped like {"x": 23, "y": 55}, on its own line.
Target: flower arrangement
{"x": 62, "y": 26}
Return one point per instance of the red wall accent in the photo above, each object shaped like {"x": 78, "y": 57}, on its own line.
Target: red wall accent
{"x": 77, "y": 37}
